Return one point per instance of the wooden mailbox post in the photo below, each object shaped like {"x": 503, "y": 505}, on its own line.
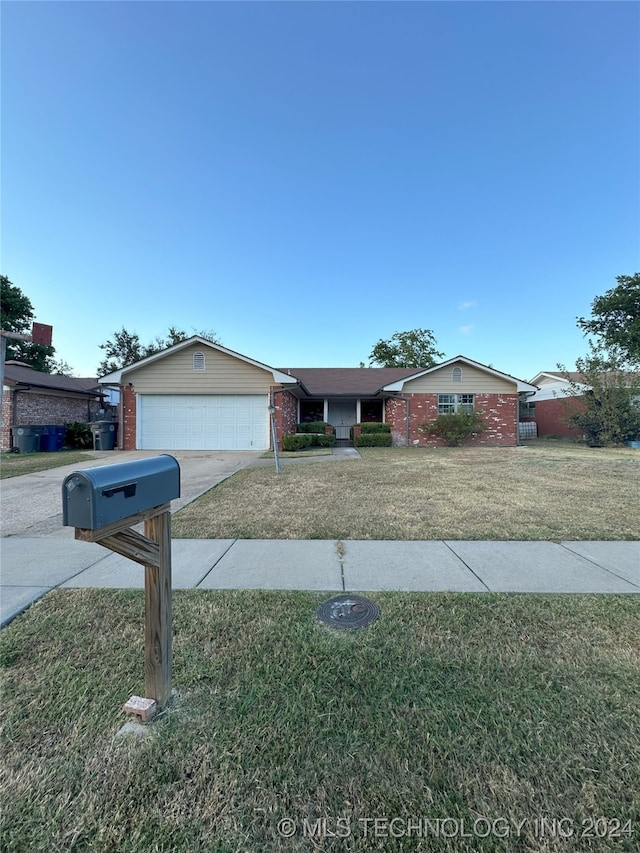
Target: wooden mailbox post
{"x": 96, "y": 497}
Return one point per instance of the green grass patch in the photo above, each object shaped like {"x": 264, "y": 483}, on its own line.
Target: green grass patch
{"x": 15, "y": 464}
{"x": 542, "y": 491}
{"x": 503, "y": 707}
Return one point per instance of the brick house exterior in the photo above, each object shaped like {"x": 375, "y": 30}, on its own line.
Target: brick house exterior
{"x": 553, "y": 405}
{"x": 498, "y": 411}
{"x": 199, "y": 395}
{"x": 32, "y": 397}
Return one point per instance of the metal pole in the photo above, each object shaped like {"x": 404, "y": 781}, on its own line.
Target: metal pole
{"x": 275, "y": 442}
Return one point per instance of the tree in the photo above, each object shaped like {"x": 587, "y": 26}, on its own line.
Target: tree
{"x": 616, "y": 317}
{"x": 17, "y": 315}
{"x": 607, "y": 397}
{"x": 125, "y": 347}
{"x": 416, "y": 348}
{"x": 59, "y": 367}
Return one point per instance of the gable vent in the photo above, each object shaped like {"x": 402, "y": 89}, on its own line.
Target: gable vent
{"x": 198, "y": 361}
{"x": 456, "y": 374}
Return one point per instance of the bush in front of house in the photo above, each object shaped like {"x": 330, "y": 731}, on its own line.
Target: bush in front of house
{"x": 374, "y": 426}
{"x": 300, "y": 441}
{"x": 454, "y": 428}
{"x": 324, "y": 440}
{"x": 314, "y": 426}
{"x": 372, "y": 439}
{"x": 78, "y": 436}
{"x": 296, "y": 442}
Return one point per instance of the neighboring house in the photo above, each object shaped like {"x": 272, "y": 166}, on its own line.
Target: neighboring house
{"x": 32, "y": 397}
{"x": 197, "y": 395}
{"x": 553, "y": 404}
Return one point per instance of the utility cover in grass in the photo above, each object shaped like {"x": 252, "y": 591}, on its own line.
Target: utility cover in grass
{"x": 348, "y": 611}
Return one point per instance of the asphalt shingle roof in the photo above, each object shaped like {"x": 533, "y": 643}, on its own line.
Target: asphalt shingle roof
{"x": 347, "y": 381}
{"x": 21, "y": 374}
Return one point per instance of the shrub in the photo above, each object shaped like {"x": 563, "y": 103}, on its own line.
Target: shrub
{"x": 454, "y": 428}
{"x": 78, "y": 435}
{"x": 296, "y": 442}
{"x": 325, "y": 440}
{"x": 374, "y": 426}
{"x": 373, "y": 439}
{"x": 313, "y": 426}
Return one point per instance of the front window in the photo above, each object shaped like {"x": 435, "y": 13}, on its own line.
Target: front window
{"x": 448, "y": 404}
{"x": 371, "y": 411}
{"x": 311, "y": 411}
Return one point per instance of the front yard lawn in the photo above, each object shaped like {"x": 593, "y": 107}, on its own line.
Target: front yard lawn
{"x": 540, "y": 491}
{"x": 15, "y": 464}
{"x": 509, "y": 722}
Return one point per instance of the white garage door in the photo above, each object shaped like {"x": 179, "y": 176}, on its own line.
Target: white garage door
{"x": 199, "y": 422}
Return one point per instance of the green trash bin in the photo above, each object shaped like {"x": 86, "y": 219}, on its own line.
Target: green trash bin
{"x": 26, "y": 437}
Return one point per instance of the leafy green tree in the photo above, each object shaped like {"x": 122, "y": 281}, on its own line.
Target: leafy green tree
{"x": 59, "y": 367}
{"x": 616, "y": 317}
{"x": 416, "y": 348}
{"x": 17, "y": 315}
{"x": 125, "y": 348}
{"x": 606, "y": 396}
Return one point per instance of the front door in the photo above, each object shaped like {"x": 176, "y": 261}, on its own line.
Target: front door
{"x": 342, "y": 415}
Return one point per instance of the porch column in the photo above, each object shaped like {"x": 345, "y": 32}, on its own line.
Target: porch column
{"x": 358, "y": 411}
{"x": 325, "y": 416}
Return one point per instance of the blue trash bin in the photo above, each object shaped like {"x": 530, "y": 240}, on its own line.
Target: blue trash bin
{"x": 48, "y": 440}
{"x": 61, "y": 432}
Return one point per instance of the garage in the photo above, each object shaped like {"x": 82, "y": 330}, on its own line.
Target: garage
{"x": 203, "y": 422}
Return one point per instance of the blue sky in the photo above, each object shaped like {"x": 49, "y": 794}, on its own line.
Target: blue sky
{"x": 306, "y": 178}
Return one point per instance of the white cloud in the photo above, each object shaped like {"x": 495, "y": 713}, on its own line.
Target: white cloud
{"x": 466, "y": 330}
{"x": 470, "y": 304}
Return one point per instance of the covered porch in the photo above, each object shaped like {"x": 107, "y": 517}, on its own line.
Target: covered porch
{"x": 342, "y": 413}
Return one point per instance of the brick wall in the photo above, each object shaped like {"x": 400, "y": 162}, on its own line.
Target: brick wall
{"x": 498, "y": 412}
{"x": 552, "y": 416}
{"x": 28, "y": 407}
{"x": 128, "y": 417}
{"x": 286, "y": 412}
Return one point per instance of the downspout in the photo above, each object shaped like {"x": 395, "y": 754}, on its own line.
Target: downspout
{"x": 406, "y": 415}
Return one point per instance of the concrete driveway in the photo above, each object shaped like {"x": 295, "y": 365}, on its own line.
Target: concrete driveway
{"x": 31, "y": 505}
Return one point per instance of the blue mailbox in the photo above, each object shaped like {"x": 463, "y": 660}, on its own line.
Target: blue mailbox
{"x": 95, "y": 497}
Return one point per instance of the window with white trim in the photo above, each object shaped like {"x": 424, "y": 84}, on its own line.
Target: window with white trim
{"x": 448, "y": 404}
{"x": 456, "y": 374}
{"x": 198, "y": 361}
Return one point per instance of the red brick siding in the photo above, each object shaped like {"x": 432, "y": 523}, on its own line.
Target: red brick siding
{"x": 27, "y": 407}
{"x": 552, "y": 416}
{"x": 7, "y": 419}
{"x": 128, "y": 416}
{"x": 497, "y": 410}
{"x": 286, "y": 412}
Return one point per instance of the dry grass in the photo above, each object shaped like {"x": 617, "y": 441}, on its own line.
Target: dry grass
{"x": 451, "y": 706}
{"x": 16, "y": 464}
{"x": 541, "y": 491}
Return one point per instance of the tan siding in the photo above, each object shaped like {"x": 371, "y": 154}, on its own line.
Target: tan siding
{"x": 223, "y": 374}
{"x": 474, "y": 381}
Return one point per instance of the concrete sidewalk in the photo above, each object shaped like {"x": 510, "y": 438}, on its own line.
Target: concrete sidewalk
{"x": 33, "y": 566}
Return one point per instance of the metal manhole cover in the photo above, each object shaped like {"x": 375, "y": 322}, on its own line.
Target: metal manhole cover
{"x": 348, "y": 611}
